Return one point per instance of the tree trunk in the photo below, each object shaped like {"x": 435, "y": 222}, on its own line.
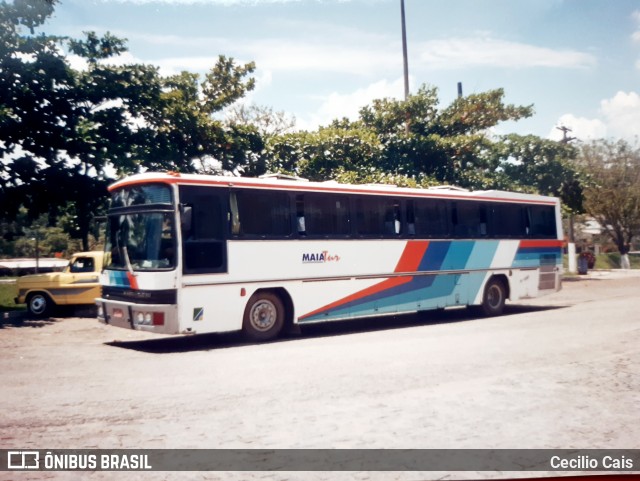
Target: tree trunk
{"x": 624, "y": 261}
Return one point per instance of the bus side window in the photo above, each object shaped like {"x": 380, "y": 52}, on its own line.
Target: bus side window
{"x": 432, "y": 218}
{"x": 484, "y": 220}
{"x": 203, "y": 230}
{"x": 300, "y": 222}
{"x": 411, "y": 218}
{"x": 508, "y": 221}
{"x": 541, "y": 220}
{"x": 393, "y": 224}
{"x": 469, "y": 219}
{"x": 235, "y": 215}
{"x": 377, "y": 216}
{"x": 320, "y": 215}
{"x": 261, "y": 214}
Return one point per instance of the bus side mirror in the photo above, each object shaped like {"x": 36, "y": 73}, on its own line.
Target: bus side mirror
{"x": 186, "y": 215}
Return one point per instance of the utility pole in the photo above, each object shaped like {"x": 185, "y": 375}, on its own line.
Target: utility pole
{"x": 405, "y": 63}
{"x": 571, "y": 245}
{"x": 404, "y": 52}
{"x": 565, "y": 138}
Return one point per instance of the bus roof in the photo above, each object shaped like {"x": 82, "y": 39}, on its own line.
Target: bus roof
{"x": 280, "y": 183}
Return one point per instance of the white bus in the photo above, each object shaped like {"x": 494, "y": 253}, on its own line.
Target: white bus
{"x": 190, "y": 254}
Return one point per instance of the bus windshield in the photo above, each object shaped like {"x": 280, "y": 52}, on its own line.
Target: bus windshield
{"x": 141, "y": 241}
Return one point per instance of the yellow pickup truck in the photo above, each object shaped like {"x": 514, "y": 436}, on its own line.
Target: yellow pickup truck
{"x": 77, "y": 284}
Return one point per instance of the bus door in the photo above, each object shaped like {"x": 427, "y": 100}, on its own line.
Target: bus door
{"x": 203, "y": 224}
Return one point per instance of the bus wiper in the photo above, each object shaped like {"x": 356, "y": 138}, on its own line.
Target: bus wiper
{"x": 127, "y": 261}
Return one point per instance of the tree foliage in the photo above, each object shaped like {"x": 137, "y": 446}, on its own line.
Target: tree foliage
{"x": 530, "y": 163}
{"x": 417, "y": 141}
{"x": 63, "y": 130}
{"x": 266, "y": 120}
{"x": 612, "y": 193}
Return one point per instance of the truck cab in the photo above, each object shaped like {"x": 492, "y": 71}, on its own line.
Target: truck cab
{"x": 78, "y": 284}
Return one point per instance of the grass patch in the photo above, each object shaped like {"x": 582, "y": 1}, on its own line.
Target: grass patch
{"x": 611, "y": 260}
{"x": 8, "y": 291}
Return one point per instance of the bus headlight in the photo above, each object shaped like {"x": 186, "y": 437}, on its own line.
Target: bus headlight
{"x": 149, "y": 318}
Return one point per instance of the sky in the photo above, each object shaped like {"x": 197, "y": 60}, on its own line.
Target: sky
{"x": 576, "y": 61}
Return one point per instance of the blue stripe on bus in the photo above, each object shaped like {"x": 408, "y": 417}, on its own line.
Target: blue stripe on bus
{"x": 429, "y": 291}
{"x": 118, "y": 279}
{"x": 530, "y": 256}
{"x": 438, "y": 290}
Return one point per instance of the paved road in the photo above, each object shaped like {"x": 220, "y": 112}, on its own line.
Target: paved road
{"x": 556, "y": 372}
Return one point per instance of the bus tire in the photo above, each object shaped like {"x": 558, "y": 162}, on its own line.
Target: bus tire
{"x": 494, "y": 297}
{"x": 263, "y": 317}
{"x": 39, "y": 304}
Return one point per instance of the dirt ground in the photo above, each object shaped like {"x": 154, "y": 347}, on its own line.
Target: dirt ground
{"x": 555, "y": 372}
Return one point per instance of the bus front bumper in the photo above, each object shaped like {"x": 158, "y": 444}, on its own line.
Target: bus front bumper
{"x": 158, "y": 318}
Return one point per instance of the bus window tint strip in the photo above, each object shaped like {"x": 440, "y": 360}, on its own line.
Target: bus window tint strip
{"x": 270, "y": 214}
{"x": 262, "y": 214}
{"x": 141, "y": 195}
{"x": 322, "y": 216}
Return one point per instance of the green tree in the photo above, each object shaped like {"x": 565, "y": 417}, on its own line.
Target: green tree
{"x": 321, "y": 155}
{"x": 415, "y": 140}
{"x": 62, "y": 130}
{"x": 533, "y": 164}
{"x": 54, "y": 136}
{"x": 268, "y": 122}
{"x": 181, "y": 131}
{"x": 612, "y": 194}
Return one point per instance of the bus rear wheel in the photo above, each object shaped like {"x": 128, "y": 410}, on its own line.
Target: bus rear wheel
{"x": 263, "y": 317}
{"x": 494, "y": 297}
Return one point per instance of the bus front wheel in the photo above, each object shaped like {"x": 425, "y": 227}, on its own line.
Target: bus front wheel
{"x": 495, "y": 295}
{"x": 263, "y": 317}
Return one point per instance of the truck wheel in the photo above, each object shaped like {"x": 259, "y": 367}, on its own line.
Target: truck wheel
{"x": 263, "y": 317}
{"x": 495, "y": 295}
{"x": 39, "y": 304}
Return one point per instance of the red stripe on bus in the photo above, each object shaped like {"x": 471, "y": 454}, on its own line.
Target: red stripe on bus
{"x": 316, "y": 187}
{"x": 412, "y": 256}
{"x": 541, "y": 243}
{"x": 133, "y": 282}
{"x": 383, "y": 286}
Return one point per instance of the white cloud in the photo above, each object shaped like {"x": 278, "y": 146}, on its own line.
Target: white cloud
{"x": 337, "y": 105}
{"x": 636, "y": 17}
{"x": 622, "y": 114}
{"x": 491, "y": 52}
{"x": 228, "y": 3}
{"x": 175, "y": 65}
{"x": 581, "y": 128}
{"x": 285, "y": 55}
{"x": 315, "y": 47}
{"x": 322, "y": 47}
{"x": 379, "y": 55}
{"x": 635, "y": 36}
{"x": 620, "y": 118}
